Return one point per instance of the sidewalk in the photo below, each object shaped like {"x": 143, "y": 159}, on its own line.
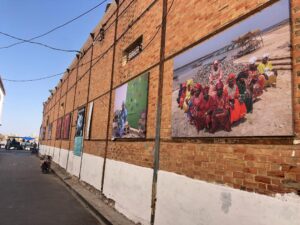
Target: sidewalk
{"x": 95, "y": 201}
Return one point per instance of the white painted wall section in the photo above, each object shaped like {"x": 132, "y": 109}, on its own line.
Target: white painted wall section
{"x": 74, "y": 164}
{"x": 70, "y": 162}
{"x": 91, "y": 170}
{"x": 63, "y": 158}
{"x": 130, "y": 187}
{"x": 182, "y": 200}
{"x": 46, "y": 149}
{"x": 50, "y": 151}
{"x": 56, "y": 155}
{"x": 41, "y": 149}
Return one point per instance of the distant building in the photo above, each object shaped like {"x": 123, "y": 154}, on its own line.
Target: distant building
{"x": 2, "y": 94}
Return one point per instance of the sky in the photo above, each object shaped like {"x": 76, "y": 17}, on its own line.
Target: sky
{"x": 120, "y": 96}
{"x": 23, "y": 104}
{"x": 267, "y": 17}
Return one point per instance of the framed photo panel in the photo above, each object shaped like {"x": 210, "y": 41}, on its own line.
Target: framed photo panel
{"x": 66, "y": 126}
{"x": 130, "y": 108}
{"x": 78, "y": 141}
{"x": 58, "y": 128}
{"x": 238, "y": 83}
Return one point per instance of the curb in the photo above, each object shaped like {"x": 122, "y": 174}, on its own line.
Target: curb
{"x": 87, "y": 203}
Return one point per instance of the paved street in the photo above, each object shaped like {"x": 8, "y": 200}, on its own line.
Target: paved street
{"x": 28, "y": 197}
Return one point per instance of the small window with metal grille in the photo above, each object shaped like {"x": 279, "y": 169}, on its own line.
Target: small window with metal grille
{"x": 133, "y": 50}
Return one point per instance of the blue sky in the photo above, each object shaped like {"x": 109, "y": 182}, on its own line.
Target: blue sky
{"x": 22, "y": 113}
{"x": 267, "y": 17}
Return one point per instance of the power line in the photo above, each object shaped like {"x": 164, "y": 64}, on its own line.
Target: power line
{"x": 34, "y": 79}
{"x": 53, "y": 29}
{"x": 38, "y": 43}
{"x": 124, "y": 10}
{"x": 159, "y": 27}
{"x": 103, "y": 53}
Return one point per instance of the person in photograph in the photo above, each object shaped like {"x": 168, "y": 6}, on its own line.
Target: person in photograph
{"x": 256, "y": 81}
{"x": 115, "y": 124}
{"x": 122, "y": 120}
{"x": 195, "y": 104}
{"x": 79, "y": 126}
{"x": 266, "y": 68}
{"x": 142, "y": 124}
{"x": 215, "y": 76}
{"x": 188, "y": 95}
{"x": 220, "y": 118}
{"x": 244, "y": 89}
{"x": 203, "y": 110}
{"x": 179, "y": 94}
{"x": 237, "y": 106}
{"x": 182, "y": 95}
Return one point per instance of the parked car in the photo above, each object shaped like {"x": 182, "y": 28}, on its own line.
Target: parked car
{"x": 26, "y": 145}
{"x": 2, "y": 144}
{"x": 12, "y": 143}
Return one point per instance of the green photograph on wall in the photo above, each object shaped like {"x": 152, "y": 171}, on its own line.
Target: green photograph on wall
{"x": 130, "y": 108}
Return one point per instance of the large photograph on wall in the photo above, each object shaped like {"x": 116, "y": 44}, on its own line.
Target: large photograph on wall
{"x": 66, "y": 126}
{"x": 42, "y": 133}
{"x": 49, "y": 131}
{"x": 237, "y": 83}
{"x": 130, "y": 108}
{"x": 78, "y": 140}
{"x": 58, "y": 128}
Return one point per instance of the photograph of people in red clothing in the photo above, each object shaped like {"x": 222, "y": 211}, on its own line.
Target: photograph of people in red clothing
{"x": 237, "y": 83}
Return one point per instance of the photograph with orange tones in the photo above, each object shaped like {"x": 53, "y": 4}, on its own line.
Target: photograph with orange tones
{"x": 238, "y": 82}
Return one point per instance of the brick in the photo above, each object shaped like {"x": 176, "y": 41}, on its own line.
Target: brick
{"x": 238, "y": 175}
{"x": 248, "y": 184}
{"x": 298, "y": 177}
{"x": 250, "y": 170}
{"x": 262, "y": 186}
{"x": 295, "y": 169}
{"x": 262, "y": 179}
{"x": 258, "y": 166}
{"x": 275, "y": 173}
{"x": 249, "y": 157}
{"x": 276, "y": 182}
{"x": 290, "y": 176}
{"x": 276, "y": 189}
{"x": 286, "y": 167}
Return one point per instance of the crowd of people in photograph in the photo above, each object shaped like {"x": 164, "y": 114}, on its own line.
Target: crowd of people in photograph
{"x": 217, "y": 106}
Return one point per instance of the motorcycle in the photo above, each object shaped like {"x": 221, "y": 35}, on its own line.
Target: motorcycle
{"x": 46, "y": 165}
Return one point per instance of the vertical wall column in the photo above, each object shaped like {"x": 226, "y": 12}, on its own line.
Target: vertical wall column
{"x": 87, "y": 101}
{"x": 295, "y": 11}
{"x": 110, "y": 95}
{"x": 57, "y": 102}
{"x": 158, "y": 111}
{"x": 77, "y": 71}
{"x": 64, "y": 115}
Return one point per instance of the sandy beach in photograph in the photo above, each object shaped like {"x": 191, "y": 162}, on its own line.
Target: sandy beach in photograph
{"x": 272, "y": 113}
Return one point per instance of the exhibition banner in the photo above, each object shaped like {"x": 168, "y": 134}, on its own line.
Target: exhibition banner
{"x": 130, "y": 108}
{"x": 237, "y": 83}
{"x": 78, "y": 141}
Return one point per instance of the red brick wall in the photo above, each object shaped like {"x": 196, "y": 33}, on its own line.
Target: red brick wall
{"x": 262, "y": 165}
